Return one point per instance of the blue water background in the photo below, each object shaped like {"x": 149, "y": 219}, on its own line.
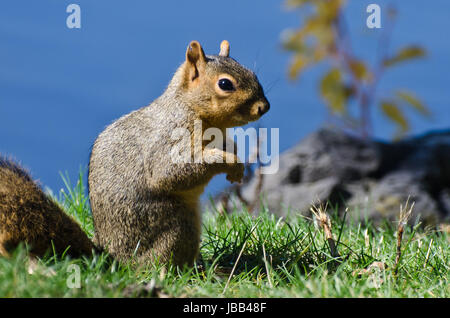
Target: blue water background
{"x": 60, "y": 87}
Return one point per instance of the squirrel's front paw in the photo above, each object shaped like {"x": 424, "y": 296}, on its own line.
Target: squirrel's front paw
{"x": 236, "y": 174}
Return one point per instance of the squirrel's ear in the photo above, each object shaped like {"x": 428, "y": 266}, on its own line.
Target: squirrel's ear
{"x": 224, "y": 48}
{"x": 195, "y": 58}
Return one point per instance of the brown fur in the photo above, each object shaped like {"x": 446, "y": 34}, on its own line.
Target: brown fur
{"x": 142, "y": 203}
{"x": 28, "y": 215}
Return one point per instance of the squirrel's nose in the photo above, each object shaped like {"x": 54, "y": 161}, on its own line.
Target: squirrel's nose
{"x": 263, "y": 108}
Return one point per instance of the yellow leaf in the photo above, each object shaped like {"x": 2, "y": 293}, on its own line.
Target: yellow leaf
{"x": 319, "y": 54}
{"x": 296, "y": 3}
{"x": 405, "y": 54}
{"x": 333, "y": 91}
{"x": 329, "y": 10}
{"x": 391, "y": 110}
{"x": 292, "y": 40}
{"x": 359, "y": 70}
{"x": 412, "y": 100}
{"x": 297, "y": 66}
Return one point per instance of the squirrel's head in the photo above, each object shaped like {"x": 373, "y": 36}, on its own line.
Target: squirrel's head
{"x": 221, "y": 91}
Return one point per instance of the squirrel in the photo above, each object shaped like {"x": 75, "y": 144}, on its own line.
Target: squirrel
{"x": 144, "y": 205}
{"x": 28, "y": 215}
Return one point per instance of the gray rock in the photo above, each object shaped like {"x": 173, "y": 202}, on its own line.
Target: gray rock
{"x": 384, "y": 199}
{"x": 371, "y": 178}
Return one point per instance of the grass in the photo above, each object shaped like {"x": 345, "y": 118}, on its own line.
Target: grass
{"x": 250, "y": 256}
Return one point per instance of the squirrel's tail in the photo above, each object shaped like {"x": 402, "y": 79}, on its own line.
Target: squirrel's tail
{"x": 28, "y": 215}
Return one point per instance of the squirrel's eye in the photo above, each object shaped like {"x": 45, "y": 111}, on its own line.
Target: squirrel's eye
{"x": 226, "y": 85}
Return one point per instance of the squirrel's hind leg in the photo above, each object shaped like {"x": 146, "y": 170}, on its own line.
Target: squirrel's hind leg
{"x": 3, "y": 243}
{"x": 3, "y": 251}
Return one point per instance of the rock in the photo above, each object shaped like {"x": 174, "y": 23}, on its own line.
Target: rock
{"x": 329, "y": 153}
{"x": 371, "y": 178}
{"x": 384, "y": 199}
